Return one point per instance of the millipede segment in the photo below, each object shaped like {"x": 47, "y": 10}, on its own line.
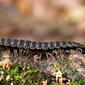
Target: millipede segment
{"x": 69, "y": 44}
{"x": 57, "y": 45}
{"x": 51, "y": 45}
{"x": 27, "y": 44}
{"x": 2, "y": 41}
{"x": 33, "y": 45}
{"x": 14, "y": 43}
{"x": 39, "y": 45}
{"x": 8, "y": 42}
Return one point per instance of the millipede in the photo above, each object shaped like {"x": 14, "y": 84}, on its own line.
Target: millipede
{"x": 40, "y": 46}
{"x": 24, "y": 47}
{"x": 36, "y": 53}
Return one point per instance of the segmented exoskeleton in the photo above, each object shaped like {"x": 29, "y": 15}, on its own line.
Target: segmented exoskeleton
{"x": 45, "y": 46}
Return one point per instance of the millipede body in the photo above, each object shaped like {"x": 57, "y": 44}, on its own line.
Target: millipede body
{"x": 41, "y": 54}
{"x": 40, "y": 46}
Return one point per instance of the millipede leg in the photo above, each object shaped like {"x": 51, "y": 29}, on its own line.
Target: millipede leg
{"x": 8, "y": 51}
{"x": 27, "y": 52}
{"x": 24, "y": 52}
{"x": 47, "y": 56}
{"x": 15, "y": 52}
{"x": 1, "y": 49}
{"x": 55, "y": 52}
{"x": 50, "y": 54}
{"x": 61, "y": 52}
{"x": 58, "y": 51}
{"x": 40, "y": 56}
{"x": 20, "y": 52}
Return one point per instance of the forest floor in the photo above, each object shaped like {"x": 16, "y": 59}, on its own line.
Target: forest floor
{"x": 49, "y": 69}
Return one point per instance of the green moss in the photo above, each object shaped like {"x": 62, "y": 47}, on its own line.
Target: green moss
{"x": 28, "y": 76}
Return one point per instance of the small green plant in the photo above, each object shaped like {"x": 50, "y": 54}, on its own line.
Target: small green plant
{"x": 19, "y": 75}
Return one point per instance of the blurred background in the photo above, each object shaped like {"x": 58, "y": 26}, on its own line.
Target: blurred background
{"x": 43, "y": 20}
